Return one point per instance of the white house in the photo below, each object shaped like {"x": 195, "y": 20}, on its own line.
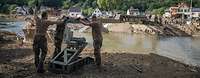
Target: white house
{"x": 97, "y": 12}
{"x": 184, "y": 10}
{"x": 43, "y": 8}
{"x": 74, "y": 12}
{"x": 21, "y": 10}
{"x": 195, "y": 12}
{"x": 107, "y": 14}
{"x": 133, "y": 12}
{"x": 181, "y": 10}
{"x": 167, "y": 13}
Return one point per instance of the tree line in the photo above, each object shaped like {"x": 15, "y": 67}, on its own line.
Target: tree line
{"x": 88, "y": 6}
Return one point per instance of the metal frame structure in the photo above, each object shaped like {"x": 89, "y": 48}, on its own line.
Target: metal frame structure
{"x": 69, "y": 59}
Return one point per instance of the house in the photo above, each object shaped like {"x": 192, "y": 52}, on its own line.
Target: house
{"x": 133, "y": 12}
{"x": 21, "y": 10}
{"x": 195, "y": 12}
{"x": 108, "y": 14}
{"x": 74, "y": 12}
{"x": 97, "y": 12}
{"x": 181, "y": 10}
{"x": 173, "y": 10}
{"x": 167, "y": 13}
{"x": 184, "y": 10}
{"x": 44, "y": 8}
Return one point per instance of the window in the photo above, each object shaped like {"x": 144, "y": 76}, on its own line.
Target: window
{"x": 185, "y": 10}
{"x": 181, "y": 10}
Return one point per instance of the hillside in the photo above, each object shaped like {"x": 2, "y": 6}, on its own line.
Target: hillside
{"x": 89, "y": 5}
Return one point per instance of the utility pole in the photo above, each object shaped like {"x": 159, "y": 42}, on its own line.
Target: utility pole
{"x": 191, "y": 3}
{"x": 191, "y": 9}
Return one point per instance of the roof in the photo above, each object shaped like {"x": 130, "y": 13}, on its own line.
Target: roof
{"x": 180, "y": 5}
{"x": 183, "y": 5}
{"x": 97, "y": 10}
{"x": 133, "y": 9}
{"x": 195, "y": 9}
{"x": 74, "y": 9}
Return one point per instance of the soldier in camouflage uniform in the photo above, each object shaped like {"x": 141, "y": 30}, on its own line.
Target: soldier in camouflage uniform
{"x": 40, "y": 40}
{"x": 59, "y": 36}
{"x": 97, "y": 37}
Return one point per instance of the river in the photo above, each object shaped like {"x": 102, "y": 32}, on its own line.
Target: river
{"x": 184, "y": 49}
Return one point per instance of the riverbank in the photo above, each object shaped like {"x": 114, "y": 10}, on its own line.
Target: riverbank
{"x": 6, "y": 37}
{"x": 7, "y": 17}
{"x": 151, "y": 28}
{"x": 17, "y": 62}
{"x": 144, "y": 27}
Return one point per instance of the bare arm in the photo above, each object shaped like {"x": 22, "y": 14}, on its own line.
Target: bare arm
{"x": 35, "y": 18}
{"x": 85, "y": 23}
{"x": 53, "y": 22}
{"x": 32, "y": 22}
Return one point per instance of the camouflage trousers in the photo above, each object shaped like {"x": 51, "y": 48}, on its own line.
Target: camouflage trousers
{"x": 40, "y": 49}
{"x": 57, "y": 43}
{"x": 97, "y": 44}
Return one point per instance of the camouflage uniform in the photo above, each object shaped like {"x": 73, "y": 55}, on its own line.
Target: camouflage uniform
{"x": 97, "y": 41}
{"x": 40, "y": 45}
{"x": 58, "y": 38}
{"x": 40, "y": 41}
{"x": 97, "y": 28}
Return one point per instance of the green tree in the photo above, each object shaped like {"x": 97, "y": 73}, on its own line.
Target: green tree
{"x": 88, "y": 11}
{"x": 102, "y": 4}
{"x": 52, "y": 3}
{"x": 159, "y": 11}
{"x": 12, "y": 7}
{"x": 31, "y": 3}
{"x": 108, "y": 4}
{"x": 66, "y": 4}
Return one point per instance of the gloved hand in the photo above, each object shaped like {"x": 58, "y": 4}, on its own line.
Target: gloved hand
{"x": 78, "y": 18}
{"x": 65, "y": 19}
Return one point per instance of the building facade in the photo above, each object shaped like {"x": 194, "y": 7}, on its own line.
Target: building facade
{"x": 74, "y": 12}
{"x": 195, "y": 12}
{"x": 133, "y": 12}
{"x": 97, "y": 12}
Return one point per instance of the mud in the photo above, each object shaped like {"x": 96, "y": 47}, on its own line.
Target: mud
{"x": 17, "y": 62}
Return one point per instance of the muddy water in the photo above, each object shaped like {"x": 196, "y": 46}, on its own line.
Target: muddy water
{"x": 12, "y": 26}
{"x": 184, "y": 49}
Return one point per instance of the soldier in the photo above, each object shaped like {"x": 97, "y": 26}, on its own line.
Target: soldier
{"x": 40, "y": 41}
{"x": 59, "y": 36}
{"x": 97, "y": 37}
